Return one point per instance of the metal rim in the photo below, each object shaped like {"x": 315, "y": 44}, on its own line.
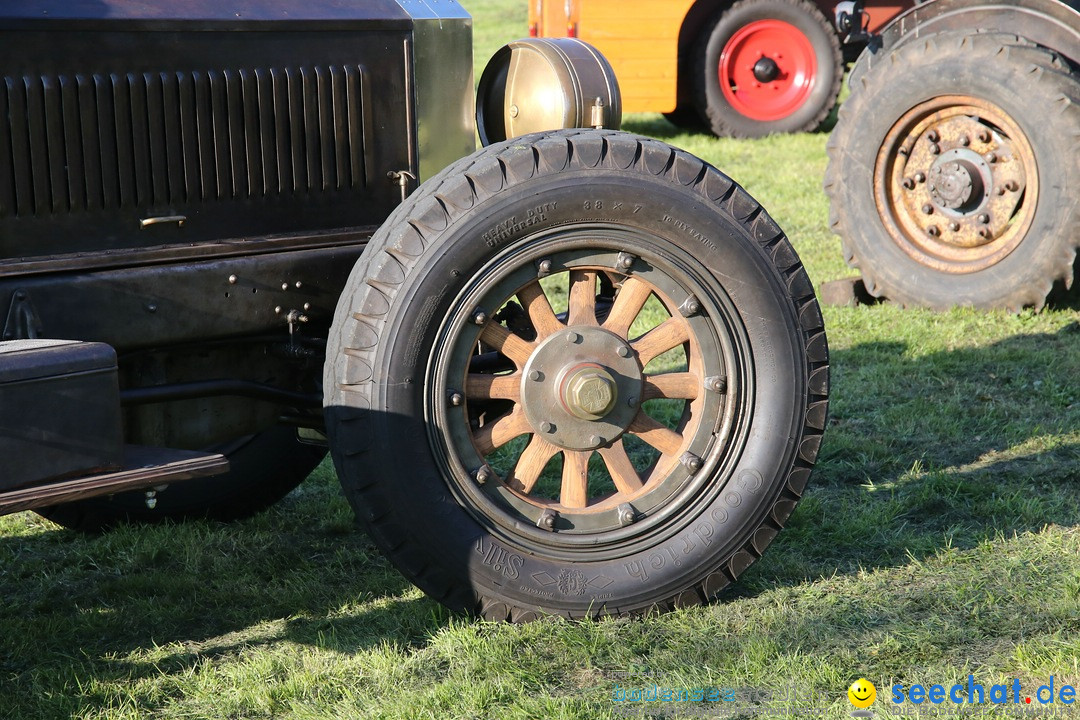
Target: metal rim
{"x": 503, "y": 377}
{"x": 767, "y": 70}
{"x": 956, "y": 184}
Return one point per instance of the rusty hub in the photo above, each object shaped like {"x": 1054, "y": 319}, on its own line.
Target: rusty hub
{"x": 955, "y": 183}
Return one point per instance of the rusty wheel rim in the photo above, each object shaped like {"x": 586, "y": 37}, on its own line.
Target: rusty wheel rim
{"x": 528, "y": 383}
{"x": 956, "y": 184}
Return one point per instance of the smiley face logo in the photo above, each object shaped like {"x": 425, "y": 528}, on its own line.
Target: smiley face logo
{"x": 862, "y": 693}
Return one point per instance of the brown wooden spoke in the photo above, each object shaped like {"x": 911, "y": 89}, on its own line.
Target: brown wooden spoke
{"x": 582, "y": 298}
{"x": 622, "y": 471}
{"x": 665, "y": 440}
{"x": 507, "y": 343}
{"x": 541, "y": 315}
{"x": 531, "y": 463}
{"x": 677, "y": 385}
{"x": 575, "y": 479}
{"x": 628, "y": 303}
{"x": 501, "y": 431}
{"x": 667, "y": 335}
{"x": 493, "y": 387}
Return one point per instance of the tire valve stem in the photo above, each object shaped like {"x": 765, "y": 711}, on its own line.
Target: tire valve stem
{"x": 547, "y": 520}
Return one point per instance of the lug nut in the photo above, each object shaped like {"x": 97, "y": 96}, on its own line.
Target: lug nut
{"x": 596, "y": 440}
{"x": 933, "y": 136}
{"x": 627, "y": 514}
{"x": 632, "y": 401}
{"x": 984, "y": 218}
{"x": 547, "y": 427}
{"x": 933, "y": 231}
{"x": 573, "y": 337}
{"x": 935, "y": 149}
{"x": 456, "y": 398}
{"x": 479, "y": 317}
{"x": 965, "y": 140}
{"x": 954, "y": 226}
{"x": 908, "y": 183}
{"x": 928, "y": 209}
{"x": 625, "y": 261}
{"x": 991, "y": 157}
{"x": 483, "y": 475}
{"x": 920, "y": 177}
{"x": 1012, "y": 186}
{"x": 232, "y": 279}
{"x": 984, "y": 135}
{"x": 690, "y": 306}
{"x": 546, "y": 520}
{"x": 985, "y": 233}
{"x": 544, "y": 267}
{"x": 536, "y": 376}
{"x": 716, "y": 383}
{"x": 624, "y": 351}
{"x": 691, "y": 461}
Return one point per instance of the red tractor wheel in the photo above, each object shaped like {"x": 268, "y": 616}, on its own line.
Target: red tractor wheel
{"x": 768, "y": 66}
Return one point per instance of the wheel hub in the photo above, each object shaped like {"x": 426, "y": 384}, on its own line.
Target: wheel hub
{"x": 766, "y": 70}
{"x": 581, "y": 388}
{"x": 960, "y": 180}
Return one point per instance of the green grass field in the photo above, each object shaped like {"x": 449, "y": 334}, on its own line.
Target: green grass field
{"x": 940, "y": 537}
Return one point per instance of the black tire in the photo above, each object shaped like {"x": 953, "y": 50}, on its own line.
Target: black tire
{"x": 1004, "y": 248}
{"x": 402, "y": 423}
{"x": 750, "y": 113}
{"x": 685, "y": 117}
{"x": 263, "y": 469}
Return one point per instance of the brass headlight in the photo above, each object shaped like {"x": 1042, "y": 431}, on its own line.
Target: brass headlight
{"x": 545, "y": 84}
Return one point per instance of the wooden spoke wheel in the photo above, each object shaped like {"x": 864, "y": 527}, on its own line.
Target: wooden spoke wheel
{"x": 586, "y": 384}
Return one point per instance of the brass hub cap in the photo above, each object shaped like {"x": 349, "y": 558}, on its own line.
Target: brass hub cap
{"x": 955, "y": 184}
{"x": 589, "y": 392}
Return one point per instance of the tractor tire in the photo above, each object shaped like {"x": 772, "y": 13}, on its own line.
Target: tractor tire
{"x": 768, "y": 66}
{"x": 953, "y": 177}
{"x": 263, "y": 469}
{"x": 481, "y": 399}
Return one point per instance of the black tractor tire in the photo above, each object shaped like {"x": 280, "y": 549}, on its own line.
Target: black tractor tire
{"x": 1020, "y": 96}
{"x": 412, "y": 426}
{"x": 685, "y": 117}
{"x": 795, "y": 27}
{"x": 263, "y": 468}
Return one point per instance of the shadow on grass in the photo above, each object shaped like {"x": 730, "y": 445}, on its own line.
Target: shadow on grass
{"x": 82, "y": 611}
{"x": 946, "y": 449}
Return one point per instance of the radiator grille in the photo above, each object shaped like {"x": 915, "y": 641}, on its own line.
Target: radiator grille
{"x": 112, "y": 141}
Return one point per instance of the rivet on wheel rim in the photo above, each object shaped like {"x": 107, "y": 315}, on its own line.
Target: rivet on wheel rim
{"x": 767, "y": 70}
{"x": 955, "y": 183}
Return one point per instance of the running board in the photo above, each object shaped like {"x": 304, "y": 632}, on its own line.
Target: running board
{"x": 144, "y": 467}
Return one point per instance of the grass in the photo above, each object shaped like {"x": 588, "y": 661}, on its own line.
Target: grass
{"x": 940, "y": 537}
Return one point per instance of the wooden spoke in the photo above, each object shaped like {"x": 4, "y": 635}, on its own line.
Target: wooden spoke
{"x": 628, "y": 303}
{"x": 660, "y": 437}
{"x": 507, "y": 343}
{"x": 575, "y": 479}
{"x": 535, "y": 302}
{"x": 679, "y": 385}
{"x": 622, "y": 471}
{"x": 667, "y": 335}
{"x": 531, "y": 463}
{"x": 493, "y": 387}
{"x": 501, "y": 431}
{"x": 582, "y": 298}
